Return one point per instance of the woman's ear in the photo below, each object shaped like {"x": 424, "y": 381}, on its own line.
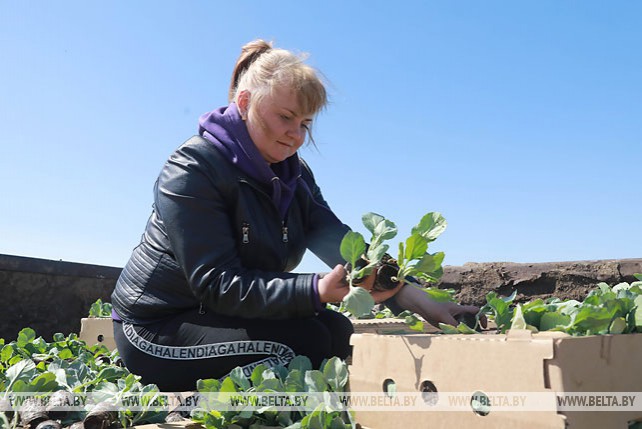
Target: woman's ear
{"x": 243, "y": 103}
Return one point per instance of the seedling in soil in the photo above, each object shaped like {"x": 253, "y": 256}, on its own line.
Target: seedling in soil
{"x": 413, "y": 259}
{"x": 606, "y": 310}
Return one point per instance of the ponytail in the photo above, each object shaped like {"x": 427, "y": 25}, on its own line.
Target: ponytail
{"x": 249, "y": 53}
{"x": 261, "y": 68}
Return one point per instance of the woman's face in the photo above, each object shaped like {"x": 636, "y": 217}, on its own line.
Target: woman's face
{"x": 276, "y": 126}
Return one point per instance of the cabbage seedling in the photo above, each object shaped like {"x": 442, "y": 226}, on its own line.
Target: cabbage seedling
{"x": 413, "y": 259}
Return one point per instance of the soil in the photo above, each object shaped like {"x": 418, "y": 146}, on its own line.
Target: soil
{"x": 564, "y": 280}
{"x": 386, "y": 270}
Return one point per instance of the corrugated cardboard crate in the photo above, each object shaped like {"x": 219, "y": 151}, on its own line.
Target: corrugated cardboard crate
{"x": 97, "y": 330}
{"x": 517, "y": 362}
{"x": 387, "y": 326}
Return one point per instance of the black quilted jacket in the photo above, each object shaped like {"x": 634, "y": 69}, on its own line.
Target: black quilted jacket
{"x": 215, "y": 239}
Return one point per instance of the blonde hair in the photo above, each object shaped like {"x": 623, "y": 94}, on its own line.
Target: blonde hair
{"x": 261, "y": 68}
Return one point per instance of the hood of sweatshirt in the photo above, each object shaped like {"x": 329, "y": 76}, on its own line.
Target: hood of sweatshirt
{"x": 228, "y": 132}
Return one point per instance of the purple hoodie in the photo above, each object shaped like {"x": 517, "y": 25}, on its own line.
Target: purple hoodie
{"x": 225, "y": 128}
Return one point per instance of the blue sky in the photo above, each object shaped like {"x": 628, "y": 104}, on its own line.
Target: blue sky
{"x": 521, "y": 122}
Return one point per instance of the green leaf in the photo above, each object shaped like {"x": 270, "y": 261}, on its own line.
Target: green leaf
{"x": 352, "y": 247}
{"x": 371, "y": 220}
{"x": 301, "y": 363}
{"x": 61, "y": 376}
{"x": 130, "y": 382}
{"x": 618, "y": 326}
{"x": 14, "y": 360}
{"x": 603, "y": 288}
{"x": 448, "y": 329}
{"x": 638, "y": 313}
{"x": 65, "y": 354}
{"x": 44, "y": 383}
{"x": 240, "y": 379}
{"x": 359, "y": 302}
{"x": 465, "y": 329}
{"x": 112, "y": 373}
{"x": 25, "y": 336}
{"x": 268, "y": 374}
{"x": 6, "y": 353}
{"x": 271, "y": 385}
{"x": 23, "y": 370}
{"x": 106, "y": 310}
{"x": 363, "y": 272}
{"x": 94, "y": 309}
{"x": 552, "y": 319}
{"x": 430, "y": 226}
{"x": 375, "y": 253}
{"x": 414, "y": 323}
{"x": 335, "y": 372}
{"x": 284, "y": 418}
{"x": 38, "y": 345}
{"x": 621, "y": 287}
{"x": 385, "y": 230}
{"x": 315, "y": 381}
{"x": 227, "y": 386}
{"x": 510, "y": 298}
{"x": 636, "y": 288}
{"x": 501, "y": 312}
{"x": 105, "y": 391}
{"x": 638, "y": 276}
{"x": 295, "y": 381}
{"x": 315, "y": 420}
{"x": 20, "y": 386}
{"x": 533, "y": 311}
{"x": 257, "y": 374}
{"x": 593, "y": 318}
{"x": 337, "y": 423}
{"x": 416, "y": 247}
{"x": 518, "y": 321}
{"x": 214, "y": 419}
{"x": 429, "y": 263}
{"x": 280, "y": 371}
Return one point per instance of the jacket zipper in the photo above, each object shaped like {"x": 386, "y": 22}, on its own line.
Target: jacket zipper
{"x": 245, "y": 228}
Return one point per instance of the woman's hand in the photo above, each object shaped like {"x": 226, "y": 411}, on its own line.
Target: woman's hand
{"x": 379, "y": 295}
{"x": 333, "y": 285}
{"x": 414, "y": 299}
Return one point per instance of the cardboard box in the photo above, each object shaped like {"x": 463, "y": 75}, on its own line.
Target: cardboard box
{"x": 517, "y": 362}
{"x": 98, "y": 330}
{"x": 387, "y": 326}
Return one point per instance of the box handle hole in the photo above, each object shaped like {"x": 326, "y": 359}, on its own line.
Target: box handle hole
{"x": 389, "y": 387}
{"x": 480, "y": 403}
{"x": 429, "y": 392}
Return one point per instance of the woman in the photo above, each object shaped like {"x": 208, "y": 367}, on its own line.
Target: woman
{"x": 209, "y": 287}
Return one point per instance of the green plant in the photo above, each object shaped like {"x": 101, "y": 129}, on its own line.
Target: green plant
{"x": 605, "y": 310}
{"x": 413, "y": 259}
{"x": 298, "y": 378}
{"x": 31, "y": 365}
{"x": 100, "y": 309}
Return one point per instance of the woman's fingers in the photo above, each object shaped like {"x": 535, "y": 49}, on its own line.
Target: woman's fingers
{"x": 382, "y": 295}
